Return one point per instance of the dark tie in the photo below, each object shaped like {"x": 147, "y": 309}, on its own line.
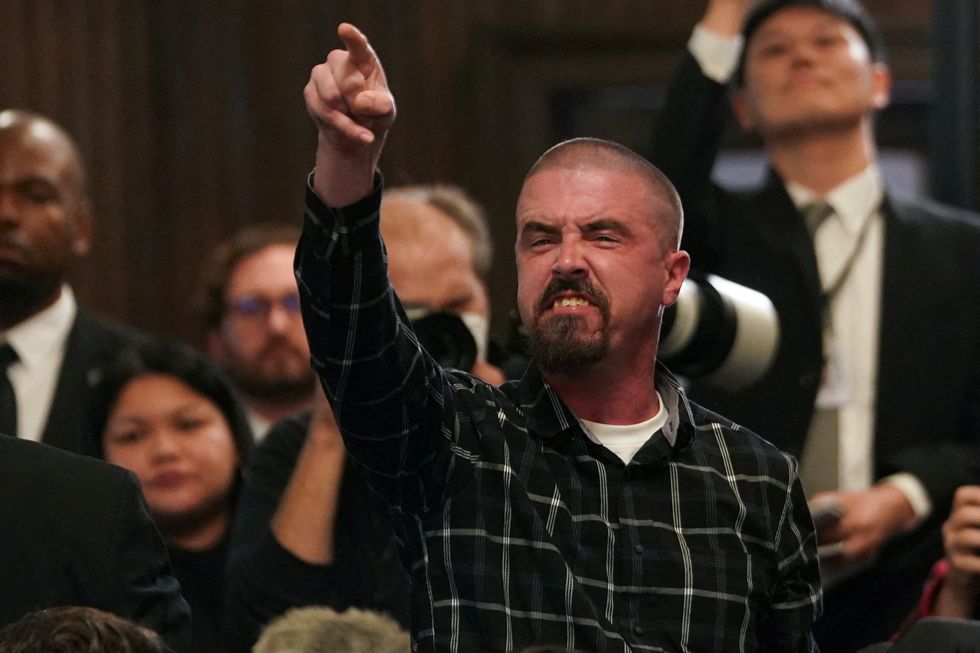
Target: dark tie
{"x": 8, "y": 402}
{"x": 815, "y": 215}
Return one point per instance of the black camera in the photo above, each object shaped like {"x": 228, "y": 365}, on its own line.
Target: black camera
{"x": 445, "y": 337}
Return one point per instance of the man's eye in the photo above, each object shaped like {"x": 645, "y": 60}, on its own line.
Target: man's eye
{"x": 772, "y": 50}
{"x": 38, "y": 194}
{"x": 536, "y": 242}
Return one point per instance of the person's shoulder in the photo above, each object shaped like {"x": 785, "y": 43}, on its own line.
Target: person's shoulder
{"x": 107, "y": 331}
{"x": 57, "y": 477}
{"x": 934, "y": 216}
{"x": 716, "y": 430}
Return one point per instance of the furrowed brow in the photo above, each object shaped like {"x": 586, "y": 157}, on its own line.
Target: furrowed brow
{"x": 534, "y": 226}
{"x": 606, "y": 224}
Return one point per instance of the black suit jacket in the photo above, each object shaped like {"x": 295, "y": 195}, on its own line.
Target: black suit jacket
{"x": 92, "y": 343}
{"x": 76, "y": 531}
{"x": 928, "y": 386}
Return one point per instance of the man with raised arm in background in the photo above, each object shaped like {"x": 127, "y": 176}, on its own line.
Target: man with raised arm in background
{"x": 878, "y": 371}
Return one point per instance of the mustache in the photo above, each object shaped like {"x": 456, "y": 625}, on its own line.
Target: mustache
{"x": 583, "y": 287}
{"x": 278, "y": 343}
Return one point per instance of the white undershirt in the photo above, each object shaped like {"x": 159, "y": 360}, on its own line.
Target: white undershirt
{"x": 625, "y": 440}
{"x": 40, "y": 345}
{"x": 855, "y": 313}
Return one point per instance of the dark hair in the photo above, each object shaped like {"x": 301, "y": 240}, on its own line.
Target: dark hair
{"x": 210, "y": 300}
{"x": 850, "y": 10}
{"x": 76, "y": 629}
{"x": 184, "y": 364}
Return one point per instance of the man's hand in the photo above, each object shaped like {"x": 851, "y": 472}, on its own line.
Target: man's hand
{"x": 725, "y": 17}
{"x": 961, "y": 539}
{"x": 870, "y": 518}
{"x": 349, "y": 101}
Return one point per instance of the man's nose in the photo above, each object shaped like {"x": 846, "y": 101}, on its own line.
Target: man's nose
{"x": 279, "y": 318}
{"x": 570, "y": 260}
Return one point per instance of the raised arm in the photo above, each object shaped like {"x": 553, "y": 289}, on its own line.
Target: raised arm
{"x": 348, "y": 99}
{"x": 390, "y": 399}
{"x": 688, "y": 131}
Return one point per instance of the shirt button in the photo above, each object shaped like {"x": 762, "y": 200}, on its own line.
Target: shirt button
{"x": 638, "y": 629}
{"x": 638, "y": 548}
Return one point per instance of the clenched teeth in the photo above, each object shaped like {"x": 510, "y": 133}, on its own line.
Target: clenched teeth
{"x": 565, "y": 302}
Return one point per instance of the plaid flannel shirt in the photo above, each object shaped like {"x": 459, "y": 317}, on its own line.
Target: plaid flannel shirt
{"x": 518, "y": 530}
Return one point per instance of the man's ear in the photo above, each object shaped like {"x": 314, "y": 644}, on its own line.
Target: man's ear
{"x": 740, "y": 109}
{"x": 881, "y": 94}
{"x": 81, "y": 227}
{"x": 677, "y": 264}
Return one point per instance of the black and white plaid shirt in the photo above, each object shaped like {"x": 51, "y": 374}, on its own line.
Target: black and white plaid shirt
{"x": 516, "y": 528}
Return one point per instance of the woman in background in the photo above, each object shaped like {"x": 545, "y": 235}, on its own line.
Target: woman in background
{"x": 173, "y": 420}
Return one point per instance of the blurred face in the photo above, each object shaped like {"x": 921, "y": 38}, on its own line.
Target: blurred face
{"x": 592, "y": 272}
{"x": 44, "y": 218}
{"x": 806, "y": 68}
{"x": 430, "y": 263}
{"x": 178, "y": 443}
{"x": 261, "y": 343}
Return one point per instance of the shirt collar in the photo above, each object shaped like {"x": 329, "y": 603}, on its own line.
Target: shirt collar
{"x": 548, "y": 416}
{"x": 39, "y": 336}
{"x": 853, "y": 201}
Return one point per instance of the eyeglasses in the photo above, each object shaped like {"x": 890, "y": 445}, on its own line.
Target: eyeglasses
{"x": 252, "y": 307}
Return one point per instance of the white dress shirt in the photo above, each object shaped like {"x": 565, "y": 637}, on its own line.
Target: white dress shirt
{"x": 40, "y": 345}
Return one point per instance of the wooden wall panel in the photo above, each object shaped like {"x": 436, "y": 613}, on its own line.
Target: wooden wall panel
{"x": 191, "y": 117}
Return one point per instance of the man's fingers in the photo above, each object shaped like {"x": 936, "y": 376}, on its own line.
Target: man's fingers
{"x": 334, "y": 120}
{"x": 361, "y": 54}
{"x": 374, "y": 104}
{"x": 965, "y": 516}
{"x": 967, "y": 495}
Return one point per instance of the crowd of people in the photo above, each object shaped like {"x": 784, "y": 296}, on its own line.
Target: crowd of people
{"x": 348, "y": 464}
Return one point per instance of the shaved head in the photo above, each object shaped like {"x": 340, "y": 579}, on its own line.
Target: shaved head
{"x": 34, "y": 131}
{"x": 597, "y": 153}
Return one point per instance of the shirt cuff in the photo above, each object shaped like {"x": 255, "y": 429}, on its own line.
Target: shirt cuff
{"x": 356, "y": 225}
{"x": 915, "y": 492}
{"x": 716, "y": 55}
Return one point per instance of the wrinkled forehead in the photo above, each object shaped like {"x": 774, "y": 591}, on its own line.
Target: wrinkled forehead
{"x": 585, "y": 191}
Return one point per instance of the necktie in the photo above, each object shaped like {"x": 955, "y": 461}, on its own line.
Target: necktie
{"x": 816, "y": 214}
{"x": 8, "y": 402}
{"x": 820, "y": 459}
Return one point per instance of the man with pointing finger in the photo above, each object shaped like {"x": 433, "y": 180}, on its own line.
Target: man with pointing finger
{"x": 589, "y": 506}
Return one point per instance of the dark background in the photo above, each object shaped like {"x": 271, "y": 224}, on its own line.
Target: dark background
{"x": 190, "y": 113}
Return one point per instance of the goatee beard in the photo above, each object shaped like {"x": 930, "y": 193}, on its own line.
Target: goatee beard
{"x": 558, "y": 343}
